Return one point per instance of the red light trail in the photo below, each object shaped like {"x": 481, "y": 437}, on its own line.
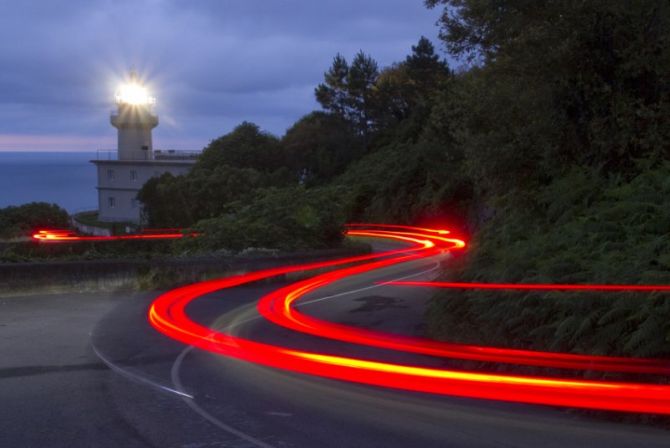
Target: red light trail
{"x": 68, "y": 236}
{"x": 168, "y": 315}
{"x": 278, "y": 307}
{"x": 536, "y": 286}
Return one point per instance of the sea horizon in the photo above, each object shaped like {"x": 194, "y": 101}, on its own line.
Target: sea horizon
{"x": 65, "y": 178}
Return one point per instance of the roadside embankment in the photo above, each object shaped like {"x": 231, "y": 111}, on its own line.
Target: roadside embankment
{"x": 143, "y": 274}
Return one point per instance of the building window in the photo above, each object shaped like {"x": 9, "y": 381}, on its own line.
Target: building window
{"x": 112, "y": 201}
{"x": 110, "y": 174}
{"x": 133, "y": 175}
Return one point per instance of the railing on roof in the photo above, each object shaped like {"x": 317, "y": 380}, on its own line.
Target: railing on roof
{"x": 156, "y": 154}
{"x": 175, "y": 154}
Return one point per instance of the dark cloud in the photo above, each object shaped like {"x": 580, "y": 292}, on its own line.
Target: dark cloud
{"x": 211, "y": 63}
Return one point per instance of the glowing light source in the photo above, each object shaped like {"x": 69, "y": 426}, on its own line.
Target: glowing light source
{"x": 134, "y": 94}
{"x": 68, "y": 236}
{"x": 536, "y": 286}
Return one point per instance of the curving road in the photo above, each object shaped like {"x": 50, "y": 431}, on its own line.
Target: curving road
{"x": 71, "y": 378}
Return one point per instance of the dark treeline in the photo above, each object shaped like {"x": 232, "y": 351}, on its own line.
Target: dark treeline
{"x": 564, "y": 130}
{"x": 22, "y": 220}
{"x": 363, "y": 157}
{"x": 551, "y": 149}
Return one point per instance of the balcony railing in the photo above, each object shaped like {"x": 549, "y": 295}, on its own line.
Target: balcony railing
{"x": 175, "y": 154}
{"x": 156, "y": 154}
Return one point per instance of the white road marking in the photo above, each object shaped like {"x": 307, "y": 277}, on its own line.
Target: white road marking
{"x": 378, "y": 285}
{"x": 353, "y": 291}
{"x": 176, "y": 380}
{"x": 179, "y": 389}
{"x": 135, "y": 377}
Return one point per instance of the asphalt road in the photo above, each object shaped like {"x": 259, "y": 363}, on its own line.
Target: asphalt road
{"x": 87, "y": 370}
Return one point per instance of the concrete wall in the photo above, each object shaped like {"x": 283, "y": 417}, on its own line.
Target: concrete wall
{"x": 90, "y": 230}
{"x": 131, "y": 142}
{"x": 119, "y": 182}
{"x": 118, "y": 205}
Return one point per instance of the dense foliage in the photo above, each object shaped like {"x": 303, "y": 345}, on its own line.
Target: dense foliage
{"x": 566, "y": 141}
{"x": 249, "y": 188}
{"x": 320, "y": 146}
{"x": 590, "y": 230}
{"x": 17, "y": 221}
{"x": 229, "y": 169}
{"x": 282, "y": 218}
{"x": 246, "y": 147}
{"x": 561, "y": 83}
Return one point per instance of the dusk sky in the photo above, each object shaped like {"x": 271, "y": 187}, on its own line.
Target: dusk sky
{"x": 211, "y": 63}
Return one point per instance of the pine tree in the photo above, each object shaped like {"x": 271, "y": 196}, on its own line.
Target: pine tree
{"x": 362, "y": 77}
{"x": 332, "y": 95}
{"x": 425, "y": 68}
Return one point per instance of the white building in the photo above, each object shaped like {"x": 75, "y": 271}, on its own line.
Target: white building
{"x": 120, "y": 178}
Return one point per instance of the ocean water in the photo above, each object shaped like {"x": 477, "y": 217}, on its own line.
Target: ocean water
{"x": 64, "y": 178}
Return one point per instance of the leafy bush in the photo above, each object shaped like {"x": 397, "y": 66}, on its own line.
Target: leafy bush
{"x": 286, "y": 219}
{"x": 320, "y": 146}
{"x": 582, "y": 228}
{"x": 405, "y": 182}
{"x": 245, "y": 147}
{"x": 181, "y": 201}
{"x": 23, "y": 219}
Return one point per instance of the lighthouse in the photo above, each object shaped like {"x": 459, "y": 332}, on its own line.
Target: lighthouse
{"x": 134, "y": 119}
{"x": 122, "y": 172}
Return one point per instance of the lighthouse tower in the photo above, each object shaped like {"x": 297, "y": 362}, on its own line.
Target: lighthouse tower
{"x": 134, "y": 119}
{"x": 136, "y": 161}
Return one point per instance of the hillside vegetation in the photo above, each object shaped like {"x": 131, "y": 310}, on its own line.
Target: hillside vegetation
{"x": 363, "y": 157}
{"x": 22, "y": 220}
{"x": 567, "y": 142}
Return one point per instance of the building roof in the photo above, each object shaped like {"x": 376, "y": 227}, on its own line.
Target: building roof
{"x": 145, "y": 162}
